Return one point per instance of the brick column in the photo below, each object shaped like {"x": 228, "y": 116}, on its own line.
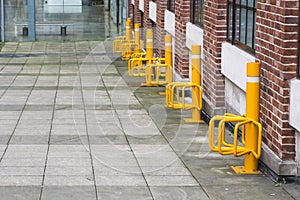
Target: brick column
{"x": 137, "y": 15}
{"x": 130, "y": 10}
{"x": 214, "y": 35}
{"x": 182, "y": 16}
{"x": 276, "y": 49}
{"x": 161, "y": 6}
{"x": 147, "y": 20}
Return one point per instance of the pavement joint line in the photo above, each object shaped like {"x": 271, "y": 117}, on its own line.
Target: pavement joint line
{"x": 11, "y": 136}
{"x": 88, "y": 136}
{"x": 119, "y": 119}
{"x": 49, "y": 140}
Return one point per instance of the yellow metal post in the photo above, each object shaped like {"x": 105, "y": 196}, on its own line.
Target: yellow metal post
{"x": 196, "y": 79}
{"x": 149, "y": 44}
{"x": 149, "y": 49}
{"x": 128, "y": 30}
{"x": 137, "y": 37}
{"x": 252, "y": 111}
{"x": 168, "y": 58}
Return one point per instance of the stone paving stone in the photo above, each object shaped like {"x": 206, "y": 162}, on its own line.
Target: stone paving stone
{"x": 68, "y": 129}
{"x": 171, "y": 180}
{"x": 20, "y": 192}
{"x": 45, "y": 115}
{"x": 68, "y": 161}
{"x": 248, "y": 193}
{"x": 22, "y": 171}
{"x": 33, "y": 126}
{"x": 108, "y": 139}
{"x": 68, "y": 148}
{"x": 69, "y": 193}
{"x": 102, "y": 169}
{"x": 23, "y": 162}
{"x": 29, "y": 139}
{"x": 68, "y": 139}
{"x": 148, "y": 149}
{"x": 178, "y": 193}
{"x": 69, "y": 171}
{"x": 165, "y": 171}
{"x": 21, "y": 148}
{"x": 69, "y": 154}
{"x": 67, "y": 180}
{"x": 120, "y": 180}
{"x": 42, "y": 107}
{"x": 147, "y": 139}
{"x": 34, "y": 130}
{"x": 123, "y": 192}
{"x": 23, "y": 180}
{"x": 113, "y": 160}
{"x": 4, "y": 139}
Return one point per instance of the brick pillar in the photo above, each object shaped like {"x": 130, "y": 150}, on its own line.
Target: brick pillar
{"x": 182, "y": 16}
{"x": 276, "y": 49}
{"x": 147, "y": 20}
{"x": 214, "y": 35}
{"x": 130, "y": 10}
{"x": 137, "y": 15}
{"x": 161, "y": 6}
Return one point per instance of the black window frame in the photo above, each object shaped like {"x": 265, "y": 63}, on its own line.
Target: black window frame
{"x": 193, "y": 18}
{"x": 235, "y": 9}
{"x": 171, "y": 5}
{"x": 133, "y": 18}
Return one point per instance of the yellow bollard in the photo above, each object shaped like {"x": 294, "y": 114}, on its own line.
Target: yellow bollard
{"x": 196, "y": 79}
{"x": 168, "y": 58}
{"x": 149, "y": 45}
{"x": 149, "y": 49}
{"x": 252, "y": 112}
{"x": 128, "y": 31}
{"x": 137, "y": 47}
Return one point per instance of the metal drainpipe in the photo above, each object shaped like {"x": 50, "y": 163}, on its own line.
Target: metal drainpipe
{"x": 2, "y": 22}
{"x": 118, "y": 12}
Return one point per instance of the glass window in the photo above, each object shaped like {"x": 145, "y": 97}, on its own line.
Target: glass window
{"x": 241, "y": 16}
{"x": 171, "y": 5}
{"x": 197, "y": 8}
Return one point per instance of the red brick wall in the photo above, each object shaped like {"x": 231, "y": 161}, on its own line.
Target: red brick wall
{"x": 276, "y": 49}
{"x": 130, "y": 9}
{"x": 147, "y": 20}
{"x": 137, "y": 16}
{"x": 214, "y": 34}
{"x": 182, "y": 16}
{"x": 161, "y": 6}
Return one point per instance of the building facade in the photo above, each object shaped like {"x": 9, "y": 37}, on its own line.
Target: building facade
{"x": 231, "y": 34}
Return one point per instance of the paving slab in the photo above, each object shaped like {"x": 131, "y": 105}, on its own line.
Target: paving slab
{"x": 124, "y": 192}
{"x": 178, "y": 193}
{"x": 74, "y": 125}
{"x": 20, "y": 192}
{"x": 69, "y": 193}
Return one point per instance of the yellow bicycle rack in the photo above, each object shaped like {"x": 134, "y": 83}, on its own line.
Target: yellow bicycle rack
{"x": 125, "y": 45}
{"x": 176, "y": 91}
{"x": 137, "y": 65}
{"x": 160, "y": 73}
{"x": 133, "y": 48}
{"x": 248, "y": 125}
{"x": 120, "y": 40}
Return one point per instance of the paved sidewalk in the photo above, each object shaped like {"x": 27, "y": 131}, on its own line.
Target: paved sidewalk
{"x": 75, "y": 126}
